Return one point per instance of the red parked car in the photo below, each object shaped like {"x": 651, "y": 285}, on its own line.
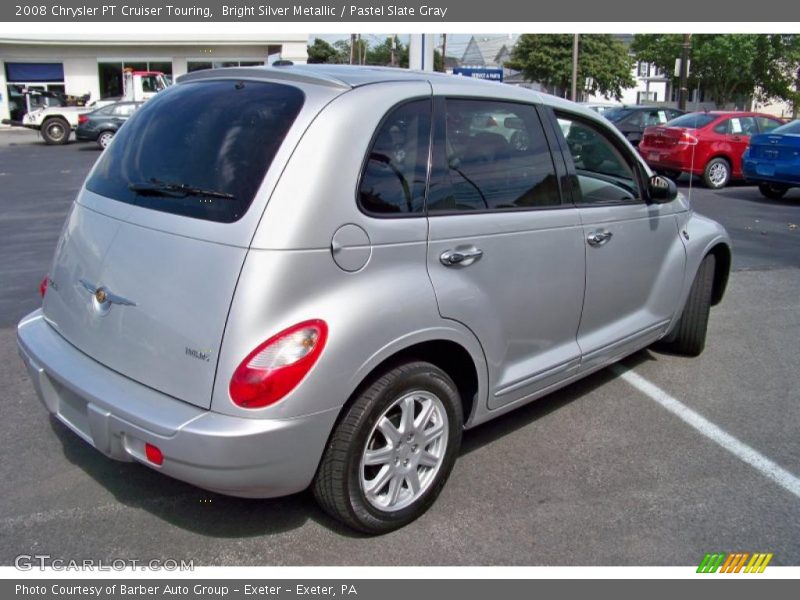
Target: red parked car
{"x": 709, "y": 144}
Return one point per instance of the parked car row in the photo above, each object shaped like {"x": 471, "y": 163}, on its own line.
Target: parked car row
{"x": 718, "y": 146}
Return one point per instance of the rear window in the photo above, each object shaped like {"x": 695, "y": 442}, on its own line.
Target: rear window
{"x": 793, "y": 127}
{"x": 617, "y": 114}
{"x": 199, "y": 150}
{"x": 692, "y": 120}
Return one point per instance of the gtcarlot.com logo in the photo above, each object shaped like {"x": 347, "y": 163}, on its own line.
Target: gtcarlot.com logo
{"x": 28, "y": 562}
{"x": 734, "y": 562}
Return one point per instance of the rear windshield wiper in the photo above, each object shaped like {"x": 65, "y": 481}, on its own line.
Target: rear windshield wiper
{"x": 154, "y": 187}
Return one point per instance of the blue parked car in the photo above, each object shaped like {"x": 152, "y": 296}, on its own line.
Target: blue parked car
{"x": 773, "y": 160}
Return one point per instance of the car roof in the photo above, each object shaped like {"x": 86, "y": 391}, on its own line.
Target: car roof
{"x": 346, "y": 77}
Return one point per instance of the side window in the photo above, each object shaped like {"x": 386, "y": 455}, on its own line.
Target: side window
{"x": 723, "y": 127}
{"x": 495, "y": 157}
{"x": 766, "y": 125}
{"x": 124, "y": 110}
{"x": 396, "y": 168}
{"x": 604, "y": 173}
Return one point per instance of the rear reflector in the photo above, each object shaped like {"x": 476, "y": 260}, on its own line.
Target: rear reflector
{"x": 43, "y": 285}
{"x": 278, "y": 365}
{"x": 153, "y": 454}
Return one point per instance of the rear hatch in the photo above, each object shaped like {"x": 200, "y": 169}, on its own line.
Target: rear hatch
{"x": 666, "y": 138}
{"x": 768, "y": 146}
{"x": 147, "y": 265}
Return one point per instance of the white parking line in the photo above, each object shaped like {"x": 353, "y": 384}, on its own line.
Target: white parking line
{"x": 755, "y": 459}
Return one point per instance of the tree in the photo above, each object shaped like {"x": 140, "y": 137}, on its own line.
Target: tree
{"x": 731, "y": 68}
{"x": 381, "y": 55}
{"x": 603, "y": 62}
{"x": 322, "y": 52}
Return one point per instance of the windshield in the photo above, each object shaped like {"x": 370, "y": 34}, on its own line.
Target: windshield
{"x": 692, "y": 120}
{"x": 793, "y": 127}
{"x": 200, "y": 149}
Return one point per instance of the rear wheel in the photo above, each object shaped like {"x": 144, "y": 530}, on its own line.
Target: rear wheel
{"x": 391, "y": 453}
{"x": 104, "y": 139}
{"x": 772, "y": 190}
{"x": 717, "y": 173}
{"x": 55, "y": 130}
{"x": 689, "y": 336}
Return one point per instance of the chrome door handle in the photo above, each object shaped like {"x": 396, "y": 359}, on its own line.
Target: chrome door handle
{"x": 598, "y": 238}
{"x": 462, "y": 256}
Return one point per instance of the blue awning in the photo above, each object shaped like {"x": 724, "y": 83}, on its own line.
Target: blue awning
{"x": 22, "y": 72}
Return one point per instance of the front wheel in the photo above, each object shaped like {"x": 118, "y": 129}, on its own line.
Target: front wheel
{"x": 391, "y": 453}
{"x": 689, "y": 336}
{"x": 773, "y": 191}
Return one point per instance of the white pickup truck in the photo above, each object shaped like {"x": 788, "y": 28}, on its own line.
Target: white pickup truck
{"x": 56, "y": 123}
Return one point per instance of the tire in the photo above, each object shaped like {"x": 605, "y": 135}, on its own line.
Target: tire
{"x": 55, "y": 131}
{"x": 343, "y": 480}
{"x": 674, "y": 175}
{"x": 689, "y": 335}
{"x": 717, "y": 173}
{"x": 773, "y": 191}
{"x": 104, "y": 139}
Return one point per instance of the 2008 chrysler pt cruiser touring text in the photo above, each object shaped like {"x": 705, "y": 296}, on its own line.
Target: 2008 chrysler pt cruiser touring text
{"x": 282, "y": 277}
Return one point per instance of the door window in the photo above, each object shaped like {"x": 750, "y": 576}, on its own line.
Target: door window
{"x": 396, "y": 168}
{"x": 737, "y": 126}
{"x": 494, "y": 157}
{"x": 766, "y": 124}
{"x": 604, "y": 173}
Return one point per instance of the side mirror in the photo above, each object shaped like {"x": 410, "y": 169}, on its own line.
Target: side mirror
{"x": 662, "y": 189}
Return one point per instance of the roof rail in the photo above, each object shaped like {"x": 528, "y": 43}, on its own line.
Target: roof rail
{"x": 282, "y": 73}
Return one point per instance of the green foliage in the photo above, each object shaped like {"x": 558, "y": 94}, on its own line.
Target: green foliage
{"x": 547, "y": 59}
{"x": 323, "y": 52}
{"x": 730, "y": 67}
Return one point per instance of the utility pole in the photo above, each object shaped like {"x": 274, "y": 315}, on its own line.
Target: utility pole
{"x": 444, "y": 53}
{"x": 394, "y": 47}
{"x": 683, "y": 91}
{"x": 574, "y": 96}
{"x": 352, "y": 47}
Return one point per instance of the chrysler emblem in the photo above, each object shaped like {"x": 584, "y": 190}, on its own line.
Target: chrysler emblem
{"x": 102, "y": 299}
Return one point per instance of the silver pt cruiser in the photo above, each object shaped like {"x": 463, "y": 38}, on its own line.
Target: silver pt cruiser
{"x": 284, "y": 277}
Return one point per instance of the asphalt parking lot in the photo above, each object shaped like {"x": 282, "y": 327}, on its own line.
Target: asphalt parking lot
{"x": 600, "y": 473}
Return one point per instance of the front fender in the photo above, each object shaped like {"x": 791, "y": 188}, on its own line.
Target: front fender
{"x": 701, "y": 235}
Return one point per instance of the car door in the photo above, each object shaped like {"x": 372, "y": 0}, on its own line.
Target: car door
{"x": 505, "y": 255}
{"x": 735, "y": 135}
{"x": 635, "y": 259}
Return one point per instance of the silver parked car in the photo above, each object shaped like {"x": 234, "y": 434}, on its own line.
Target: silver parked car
{"x": 284, "y": 277}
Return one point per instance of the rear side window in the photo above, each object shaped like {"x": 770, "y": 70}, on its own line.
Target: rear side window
{"x": 496, "y": 157}
{"x": 396, "y": 168}
{"x": 199, "y": 150}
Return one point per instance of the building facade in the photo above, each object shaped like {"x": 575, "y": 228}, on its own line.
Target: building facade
{"x": 80, "y": 65}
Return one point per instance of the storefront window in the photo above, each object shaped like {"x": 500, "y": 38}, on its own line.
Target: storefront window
{"x": 110, "y": 74}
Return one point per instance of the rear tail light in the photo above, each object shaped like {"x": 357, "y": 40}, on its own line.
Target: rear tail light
{"x": 278, "y": 365}
{"x": 687, "y": 139}
{"x": 43, "y": 285}
{"x": 82, "y": 119}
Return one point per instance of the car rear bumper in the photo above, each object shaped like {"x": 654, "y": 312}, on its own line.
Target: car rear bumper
{"x": 675, "y": 158}
{"x": 781, "y": 172}
{"x": 232, "y": 455}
